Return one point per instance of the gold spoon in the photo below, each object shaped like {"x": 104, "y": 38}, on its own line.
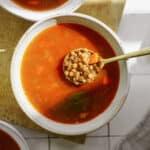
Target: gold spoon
{"x": 82, "y": 65}
{"x": 138, "y": 53}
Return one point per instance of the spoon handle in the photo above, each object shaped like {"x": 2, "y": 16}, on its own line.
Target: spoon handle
{"x": 142, "y": 52}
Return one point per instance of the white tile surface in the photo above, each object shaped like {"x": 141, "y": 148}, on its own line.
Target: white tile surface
{"x": 135, "y": 107}
{"x": 29, "y": 133}
{"x": 38, "y": 144}
{"x": 114, "y": 141}
{"x": 100, "y": 132}
{"x": 133, "y": 29}
{"x": 137, "y": 6}
{"x": 134, "y": 33}
{"x": 142, "y": 65}
{"x": 91, "y": 144}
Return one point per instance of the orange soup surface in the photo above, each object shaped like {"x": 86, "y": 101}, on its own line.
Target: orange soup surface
{"x": 7, "y": 142}
{"x": 40, "y": 5}
{"x": 44, "y": 82}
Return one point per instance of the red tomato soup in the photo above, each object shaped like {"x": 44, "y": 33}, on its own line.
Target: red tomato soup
{"x": 44, "y": 82}
{"x": 40, "y": 5}
{"x": 7, "y": 142}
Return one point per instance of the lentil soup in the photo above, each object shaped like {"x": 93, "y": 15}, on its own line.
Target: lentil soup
{"x": 7, "y": 142}
{"x": 40, "y": 5}
{"x": 44, "y": 83}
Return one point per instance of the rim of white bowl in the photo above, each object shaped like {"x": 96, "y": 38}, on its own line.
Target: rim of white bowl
{"x": 14, "y": 134}
{"x": 68, "y": 7}
{"x": 42, "y": 121}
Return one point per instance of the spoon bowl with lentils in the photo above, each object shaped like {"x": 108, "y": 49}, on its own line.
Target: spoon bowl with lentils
{"x": 81, "y": 66}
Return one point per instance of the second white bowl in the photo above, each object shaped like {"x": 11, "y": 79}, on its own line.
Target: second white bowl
{"x": 68, "y": 7}
{"x": 14, "y": 134}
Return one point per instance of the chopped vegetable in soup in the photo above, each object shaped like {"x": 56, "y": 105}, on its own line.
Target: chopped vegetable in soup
{"x": 40, "y": 4}
{"x": 7, "y": 142}
{"x": 44, "y": 82}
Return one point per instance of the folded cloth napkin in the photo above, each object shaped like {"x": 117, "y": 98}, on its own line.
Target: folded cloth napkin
{"x": 138, "y": 138}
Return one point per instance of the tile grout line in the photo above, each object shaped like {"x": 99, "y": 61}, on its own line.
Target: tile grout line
{"x": 108, "y": 134}
{"x": 36, "y": 137}
{"x": 140, "y": 74}
{"x": 108, "y": 129}
{"x": 100, "y": 136}
{"x": 109, "y": 143}
{"x": 49, "y": 142}
{"x": 117, "y": 135}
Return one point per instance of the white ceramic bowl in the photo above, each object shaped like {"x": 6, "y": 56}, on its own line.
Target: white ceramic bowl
{"x": 14, "y": 134}
{"x": 12, "y": 7}
{"x": 38, "y": 118}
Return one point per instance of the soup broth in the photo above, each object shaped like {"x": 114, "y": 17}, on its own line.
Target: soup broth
{"x": 44, "y": 82}
{"x": 7, "y": 142}
{"x": 40, "y": 5}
